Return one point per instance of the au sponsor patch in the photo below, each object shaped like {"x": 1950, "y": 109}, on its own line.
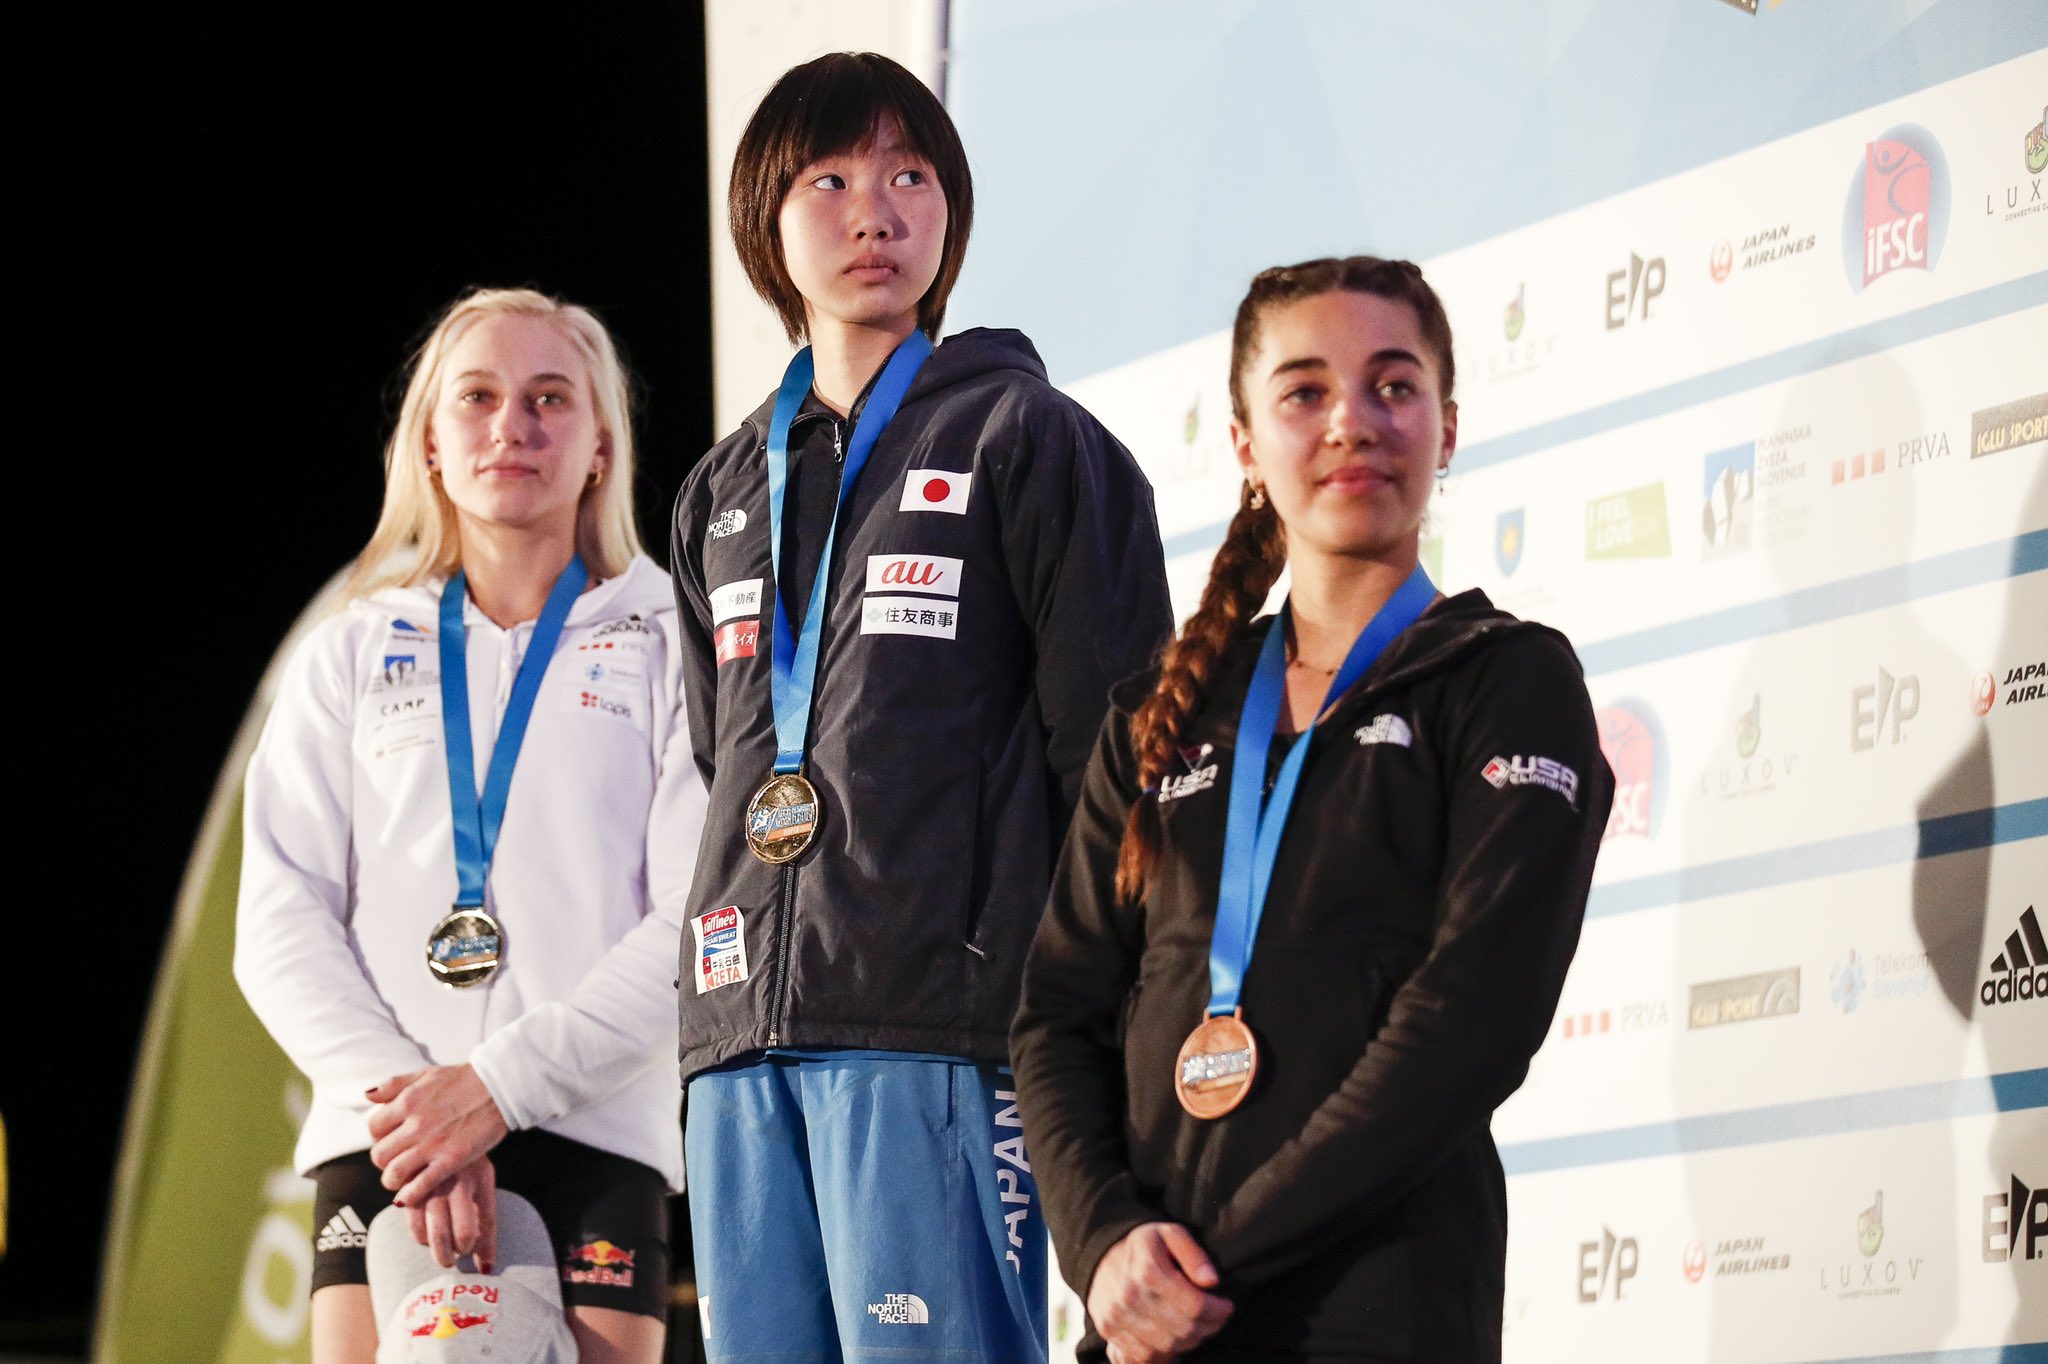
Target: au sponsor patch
{"x": 909, "y": 616}
{"x": 935, "y": 490}
{"x": 934, "y": 574}
{"x": 721, "y": 948}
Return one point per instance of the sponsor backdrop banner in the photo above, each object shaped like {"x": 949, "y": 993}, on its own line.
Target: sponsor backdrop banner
{"x": 211, "y": 1238}
{"x": 1752, "y": 312}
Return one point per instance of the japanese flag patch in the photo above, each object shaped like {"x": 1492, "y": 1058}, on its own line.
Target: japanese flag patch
{"x": 936, "y": 490}
{"x": 721, "y": 948}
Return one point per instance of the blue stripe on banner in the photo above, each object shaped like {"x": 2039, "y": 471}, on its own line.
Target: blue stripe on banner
{"x": 1936, "y": 837}
{"x": 1973, "y": 567}
{"x": 1872, "y": 338}
{"x": 1939, "y": 1101}
{"x": 1988, "y": 1354}
{"x": 1857, "y": 343}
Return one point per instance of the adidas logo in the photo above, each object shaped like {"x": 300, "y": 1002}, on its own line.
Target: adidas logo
{"x": 344, "y": 1231}
{"x": 900, "y": 1309}
{"x": 2020, "y": 972}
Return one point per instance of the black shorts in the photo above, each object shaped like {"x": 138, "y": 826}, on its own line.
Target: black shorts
{"x": 608, "y": 1218}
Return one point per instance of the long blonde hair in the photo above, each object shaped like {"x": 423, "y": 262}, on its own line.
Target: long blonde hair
{"x": 416, "y": 537}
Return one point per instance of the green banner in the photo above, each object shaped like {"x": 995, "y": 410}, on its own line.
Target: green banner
{"x": 209, "y": 1255}
{"x": 1628, "y": 525}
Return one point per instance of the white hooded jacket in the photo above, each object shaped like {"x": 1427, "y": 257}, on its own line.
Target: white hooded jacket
{"x": 348, "y": 863}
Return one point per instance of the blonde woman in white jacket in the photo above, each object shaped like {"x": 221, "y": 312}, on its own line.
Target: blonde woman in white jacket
{"x": 482, "y": 991}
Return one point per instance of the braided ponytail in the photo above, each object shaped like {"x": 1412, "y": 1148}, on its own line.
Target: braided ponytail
{"x": 1244, "y": 571}
{"x": 1255, "y": 550}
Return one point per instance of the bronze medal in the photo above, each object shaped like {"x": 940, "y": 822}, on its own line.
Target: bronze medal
{"x": 1216, "y": 1066}
{"x": 465, "y": 948}
{"x": 782, "y": 818}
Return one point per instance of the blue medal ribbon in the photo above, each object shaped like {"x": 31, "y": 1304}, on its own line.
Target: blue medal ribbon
{"x": 1255, "y": 821}
{"x": 795, "y": 659}
{"x": 477, "y": 819}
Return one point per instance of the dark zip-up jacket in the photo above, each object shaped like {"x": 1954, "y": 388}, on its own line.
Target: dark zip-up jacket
{"x": 1424, "y": 906}
{"x": 997, "y": 567}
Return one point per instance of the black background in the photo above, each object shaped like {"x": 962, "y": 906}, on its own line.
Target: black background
{"x": 236, "y": 229}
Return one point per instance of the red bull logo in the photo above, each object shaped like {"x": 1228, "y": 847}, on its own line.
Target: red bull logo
{"x": 607, "y": 1264}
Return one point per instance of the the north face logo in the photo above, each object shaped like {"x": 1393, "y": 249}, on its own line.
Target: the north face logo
{"x": 900, "y": 1309}
{"x": 1386, "y": 729}
{"x": 2020, "y": 972}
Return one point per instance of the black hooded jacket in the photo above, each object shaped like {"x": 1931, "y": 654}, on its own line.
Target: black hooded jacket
{"x": 1425, "y": 904}
{"x": 997, "y": 567}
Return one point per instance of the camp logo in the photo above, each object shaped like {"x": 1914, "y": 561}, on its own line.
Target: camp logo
{"x": 1896, "y": 216}
{"x": 2019, "y": 974}
{"x": 2009, "y": 426}
{"x": 1628, "y": 525}
{"x": 1729, "y": 501}
{"x": 1507, "y": 542}
{"x": 2023, "y": 198}
{"x": 1632, "y": 741}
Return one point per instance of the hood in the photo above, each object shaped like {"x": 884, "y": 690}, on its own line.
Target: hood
{"x": 959, "y": 359}
{"x": 642, "y": 590}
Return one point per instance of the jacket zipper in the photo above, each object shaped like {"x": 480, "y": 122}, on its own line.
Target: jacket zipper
{"x": 788, "y": 930}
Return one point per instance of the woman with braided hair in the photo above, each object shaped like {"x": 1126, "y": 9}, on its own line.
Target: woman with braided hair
{"x": 1319, "y": 896}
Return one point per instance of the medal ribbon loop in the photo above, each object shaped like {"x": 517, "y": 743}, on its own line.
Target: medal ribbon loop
{"x": 1255, "y": 822}
{"x": 477, "y": 818}
{"x": 795, "y": 659}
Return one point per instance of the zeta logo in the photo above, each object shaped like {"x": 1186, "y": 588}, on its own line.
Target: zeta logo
{"x": 2020, "y": 972}
{"x": 1728, "y": 500}
{"x": 2007, "y": 1215}
{"x": 1896, "y": 216}
{"x": 1507, "y": 541}
{"x": 900, "y": 1309}
{"x": 1633, "y": 743}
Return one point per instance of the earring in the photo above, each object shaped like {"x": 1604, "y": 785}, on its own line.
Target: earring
{"x": 433, "y": 469}
{"x": 1258, "y": 498}
{"x": 597, "y": 476}
{"x": 1443, "y": 471}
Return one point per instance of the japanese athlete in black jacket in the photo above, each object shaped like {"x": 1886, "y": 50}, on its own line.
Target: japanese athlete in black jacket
{"x": 907, "y": 585}
{"x": 1309, "y": 1173}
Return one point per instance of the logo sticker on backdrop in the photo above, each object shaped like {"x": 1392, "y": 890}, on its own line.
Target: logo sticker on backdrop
{"x": 1507, "y": 541}
{"x": 721, "y": 950}
{"x": 935, "y": 490}
{"x": 1728, "y": 500}
{"x": 1896, "y": 217}
{"x": 2019, "y": 974}
{"x": 2009, "y": 426}
{"x": 1741, "y": 999}
{"x": 1632, "y": 741}
{"x": 1628, "y": 525}
{"x": 2015, "y": 1225}
{"x": 908, "y": 616}
{"x": 741, "y": 598}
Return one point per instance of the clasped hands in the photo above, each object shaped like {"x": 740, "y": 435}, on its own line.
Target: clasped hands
{"x": 1151, "y": 1297}
{"x": 432, "y": 1131}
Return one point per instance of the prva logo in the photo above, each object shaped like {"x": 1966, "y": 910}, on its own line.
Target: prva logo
{"x": 2006, "y": 1215}
{"x": 2020, "y": 972}
{"x": 1618, "y": 1260}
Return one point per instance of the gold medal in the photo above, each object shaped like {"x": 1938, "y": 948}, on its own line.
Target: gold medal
{"x": 782, "y": 818}
{"x": 1216, "y": 1066}
{"x": 464, "y": 949}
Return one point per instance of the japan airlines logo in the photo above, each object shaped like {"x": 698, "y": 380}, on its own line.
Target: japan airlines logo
{"x": 1897, "y": 212}
{"x": 935, "y": 490}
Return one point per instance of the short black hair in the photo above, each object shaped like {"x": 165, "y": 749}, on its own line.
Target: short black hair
{"x": 831, "y": 105}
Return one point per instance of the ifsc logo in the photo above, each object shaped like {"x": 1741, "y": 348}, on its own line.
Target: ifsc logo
{"x": 1896, "y": 217}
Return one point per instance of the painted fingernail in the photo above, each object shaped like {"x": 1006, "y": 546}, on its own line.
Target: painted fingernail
{"x": 397, "y": 1202}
